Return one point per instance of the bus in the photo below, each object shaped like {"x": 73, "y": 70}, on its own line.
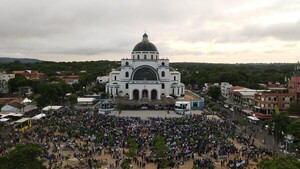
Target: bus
{"x": 23, "y": 124}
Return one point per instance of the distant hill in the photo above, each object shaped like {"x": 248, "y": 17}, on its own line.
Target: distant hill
{"x": 22, "y": 60}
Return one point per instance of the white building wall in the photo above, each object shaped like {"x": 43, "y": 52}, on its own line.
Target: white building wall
{"x": 225, "y": 87}
{"x": 7, "y": 77}
{"x": 103, "y": 79}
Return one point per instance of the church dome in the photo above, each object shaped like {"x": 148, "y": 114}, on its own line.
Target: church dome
{"x": 145, "y": 45}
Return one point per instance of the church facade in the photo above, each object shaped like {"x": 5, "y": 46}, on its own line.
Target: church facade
{"x": 145, "y": 75}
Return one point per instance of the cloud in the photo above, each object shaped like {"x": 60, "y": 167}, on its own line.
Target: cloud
{"x": 284, "y": 31}
{"x": 97, "y": 29}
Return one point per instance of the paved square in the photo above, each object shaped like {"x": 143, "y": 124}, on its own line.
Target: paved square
{"x": 145, "y": 114}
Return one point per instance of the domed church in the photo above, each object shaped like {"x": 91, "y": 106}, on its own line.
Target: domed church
{"x": 145, "y": 76}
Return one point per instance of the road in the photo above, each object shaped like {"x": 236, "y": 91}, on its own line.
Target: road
{"x": 262, "y": 137}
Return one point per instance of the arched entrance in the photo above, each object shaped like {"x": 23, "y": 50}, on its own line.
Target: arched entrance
{"x": 153, "y": 94}
{"x": 136, "y": 94}
{"x": 145, "y": 93}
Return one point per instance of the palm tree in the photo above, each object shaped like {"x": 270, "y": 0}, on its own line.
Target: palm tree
{"x": 120, "y": 106}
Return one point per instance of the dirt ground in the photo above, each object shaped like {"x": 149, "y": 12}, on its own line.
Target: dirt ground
{"x": 190, "y": 96}
{"x": 105, "y": 157}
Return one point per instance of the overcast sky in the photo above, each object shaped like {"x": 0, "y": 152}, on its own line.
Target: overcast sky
{"x": 223, "y": 31}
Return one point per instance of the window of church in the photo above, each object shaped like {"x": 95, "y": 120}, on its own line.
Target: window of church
{"x": 126, "y": 74}
{"x": 145, "y": 73}
{"x": 115, "y": 77}
{"x": 138, "y": 57}
{"x": 126, "y": 86}
{"x": 145, "y": 56}
{"x": 156, "y": 57}
{"x": 163, "y": 63}
{"x": 126, "y": 63}
{"x": 163, "y": 74}
{"x": 152, "y": 57}
{"x": 162, "y": 86}
{"x": 174, "y": 78}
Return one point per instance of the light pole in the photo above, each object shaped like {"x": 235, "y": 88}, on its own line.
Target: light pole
{"x": 273, "y": 137}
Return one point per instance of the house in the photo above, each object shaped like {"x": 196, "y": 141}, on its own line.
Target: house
{"x": 13, "y": 108}
{"x": 30, "y": 74}
{"x": 25, "y": 90}
{"x": 4, "y": 101}
{"x": 208, "y": 85}
{"x": 4, "y": 78}
{"x": 103, "y": 79}
{"x": 70, "y": 79}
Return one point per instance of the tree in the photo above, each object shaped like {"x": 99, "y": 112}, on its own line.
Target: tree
{"x": 279, "y": 163}
{"x": 15, "y": 83}
{"x": 126, "y": 164}
{"x": 120, "y": 106}
{"x": 214, "y": 92}
{"x": 278, "y": 125}
{"x": 132, "y": 148}
{"x": 215, "y": 108}
{"x": 23, "y": 157}
{"x": 161, "y": 150}
{"x": 293, "y": 129}
{"x": 52, "y": 93}
{"x": 72, "y": 99}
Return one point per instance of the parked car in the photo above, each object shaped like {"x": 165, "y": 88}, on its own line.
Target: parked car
{"x": 144, "y": 107}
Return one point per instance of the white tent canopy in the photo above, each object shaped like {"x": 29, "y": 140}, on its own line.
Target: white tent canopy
{"x": 9, "y": 108}
{"x": 83, "y": 99}
{"x": 47, "y": 108}
{"x": 4, "y": 119}
{"x": 26, "y": 100}
{"x": 3, "y": 115}
{"x": 252, "y": 118}
{"x": 39, "y": 116}
{"x": 248, "y": 112}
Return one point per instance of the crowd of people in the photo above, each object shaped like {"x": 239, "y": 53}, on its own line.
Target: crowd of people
{"x": 92, "y": 138}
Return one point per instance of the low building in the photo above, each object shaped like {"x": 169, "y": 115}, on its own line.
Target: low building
{"x": 13, "y": 108}
{"x": 266, "y": 101}
{"x": 25, "y": 90}
{"x": 243, "y": 97}
{"x": 30, "y": 74}
{"x": 103, "y": 79}
{"x": 4, "y": 78}
{"x": 70, "y": 79}
{"x": 208, "y": 85}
